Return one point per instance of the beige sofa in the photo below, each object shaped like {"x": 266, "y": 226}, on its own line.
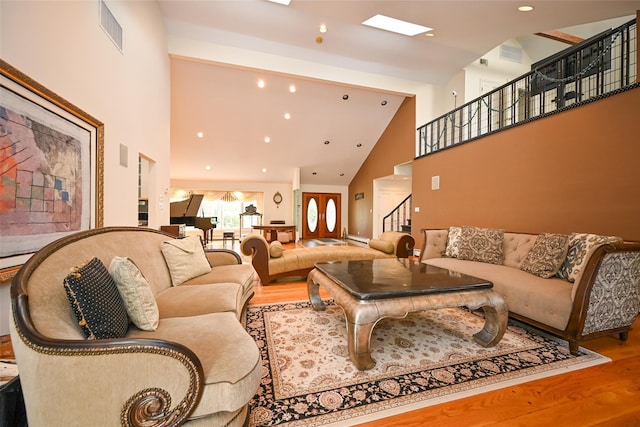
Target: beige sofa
{"x": 595, "y": 291}
{"x": 271, "y": 265}
{"x": 198, "y": 366}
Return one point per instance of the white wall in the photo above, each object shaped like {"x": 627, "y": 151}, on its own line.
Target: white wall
{"x": 61, "y": 46}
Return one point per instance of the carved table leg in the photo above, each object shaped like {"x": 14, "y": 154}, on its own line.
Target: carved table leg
{"x": 358, "y": 337}
{"x": 314, "y": 292}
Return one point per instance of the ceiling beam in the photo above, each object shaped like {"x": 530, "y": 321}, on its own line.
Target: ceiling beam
{"x": 561, "y": 37}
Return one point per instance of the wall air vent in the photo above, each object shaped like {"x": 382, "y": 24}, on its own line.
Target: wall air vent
{"x": 110, "y": 25}
{"x": 511, "y": 53}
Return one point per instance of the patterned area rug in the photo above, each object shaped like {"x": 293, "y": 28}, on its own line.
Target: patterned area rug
{"x": 424, "y": 359}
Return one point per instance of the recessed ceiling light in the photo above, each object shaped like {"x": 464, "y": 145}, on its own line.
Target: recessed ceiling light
{"x": 525, "y": 8}
{"x": 287, "y": 116}
{"x": 345, "y": 96}
{"x": 200, "y": 135}
{"x": 342, "y": 174}
{"x": 264, "y": 170}
{"x": 396, "y": 25}
{"x": 358, "y": 145}
{"x": 284, "y": 2}
{"x": 429, "y": 34}
{"x": 261, "y": 83}
{"x": 208, "y": 167}
{"x": 314, "y": 173}
{"x": 292, "y": 89}
{"x": 323, "y": 28}
{"x": 327, "y": 142}
{"x": 384, "y": 102}
{"x": 267, "y": 139}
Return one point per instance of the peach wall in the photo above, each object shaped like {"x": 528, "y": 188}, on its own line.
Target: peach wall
{"x": 575, "y": 171}
{"x": 395, "y": 146}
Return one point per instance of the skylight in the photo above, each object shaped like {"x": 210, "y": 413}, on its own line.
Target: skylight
{"x": 396, "y": 25}
{"x": 284, "y": 2}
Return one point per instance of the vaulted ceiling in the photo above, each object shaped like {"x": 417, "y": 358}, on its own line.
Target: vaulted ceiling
{"x": 327, "y": 137}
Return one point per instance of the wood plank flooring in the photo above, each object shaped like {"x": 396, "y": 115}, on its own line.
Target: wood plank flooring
{"x": 603, "y": 395}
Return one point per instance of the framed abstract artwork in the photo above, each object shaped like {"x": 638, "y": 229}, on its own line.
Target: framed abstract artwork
{"x": 51, "y": 169}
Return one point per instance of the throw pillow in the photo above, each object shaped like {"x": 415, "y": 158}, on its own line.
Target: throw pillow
{"x": 453, "y": 242}
{"x": 95, "y": 301}
{"x": 481, "y": 244}
{"x": 185, "y": 258}
{"x": 275, "y": 249}
{"x": 547, "y": 255}
{"x": 382, "y": 245}
{"x": 136, "y": 293}
{"x": 581, "y": 246}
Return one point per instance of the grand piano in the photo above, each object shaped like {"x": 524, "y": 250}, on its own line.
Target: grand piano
{"x": 186, "y": 211}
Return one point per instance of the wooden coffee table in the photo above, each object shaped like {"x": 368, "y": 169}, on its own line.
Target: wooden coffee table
{"x": 371, "y": 290}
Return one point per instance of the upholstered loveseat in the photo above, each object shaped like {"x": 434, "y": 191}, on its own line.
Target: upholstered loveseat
{"x": 576, "y": 286}
{"x": 190, "y": 360}
{"x": 271, "y": 262}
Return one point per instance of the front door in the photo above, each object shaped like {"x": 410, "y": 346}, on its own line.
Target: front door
{"x": 320, "y": 215}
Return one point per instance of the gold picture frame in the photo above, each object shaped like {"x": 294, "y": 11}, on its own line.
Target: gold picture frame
{"x": 51, "y": 167}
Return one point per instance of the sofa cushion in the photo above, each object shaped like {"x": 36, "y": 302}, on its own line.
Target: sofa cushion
{"x": 185, "y": 258}
{"x": 275, "y": 249}
{"x": 547, "y": 301}
{"x": 96, "y": 302}
{"x": 187, "y": 300}
{"x": 135, "y": 292}
{"x": 581, "y": 246}
{"x": 547, "y": 255}
{"x": 230, "y": 359}
{"x": 481, "y": 244}
{"x": 243, "y": 274}
{"x": 382, "y": 245}
{"x": 453, "y": 242}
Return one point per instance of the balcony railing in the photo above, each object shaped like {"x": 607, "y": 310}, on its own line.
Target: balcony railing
{"x": 597, "y": 67}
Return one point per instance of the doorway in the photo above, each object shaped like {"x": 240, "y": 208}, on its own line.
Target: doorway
{"x": 320, "y": 215}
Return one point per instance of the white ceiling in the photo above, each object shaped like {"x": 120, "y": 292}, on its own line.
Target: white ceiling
{"x": 225, "y": 103}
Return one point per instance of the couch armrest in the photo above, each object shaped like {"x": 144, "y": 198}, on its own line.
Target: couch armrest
{"x": 66, "y": 382}
{"x": 403, "y": 243}
{"x": 256, "y": 246}
{"x": 222, "y": 257}
{"x": 608, "y": 293}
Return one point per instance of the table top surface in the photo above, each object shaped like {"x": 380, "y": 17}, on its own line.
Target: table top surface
{"x": 272, "y": 226}
{"x": 397, "y": 277}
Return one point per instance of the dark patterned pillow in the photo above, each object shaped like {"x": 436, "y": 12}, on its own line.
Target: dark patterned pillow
{"x": 581, "y": 246}
{"x": 481, "y": 244}
{"x": 96, "y": 302}
{"x": 547, "y": 255}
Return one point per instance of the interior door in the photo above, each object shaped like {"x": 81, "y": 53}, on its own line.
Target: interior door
{"x": 320, "y": 215}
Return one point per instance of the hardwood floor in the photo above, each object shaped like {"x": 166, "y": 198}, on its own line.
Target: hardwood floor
{"x": 603, "y": 395}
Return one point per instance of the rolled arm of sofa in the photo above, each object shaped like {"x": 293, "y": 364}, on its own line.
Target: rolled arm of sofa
{"x": 222, "y": 257}
{"x": 403, "y": 243}
{"x": 256, "y": 246}
{"x": 106, "y": 382}
{"x": 609, "y": 289}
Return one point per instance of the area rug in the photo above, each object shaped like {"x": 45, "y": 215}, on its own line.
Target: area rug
{"x": 424, "y": 359}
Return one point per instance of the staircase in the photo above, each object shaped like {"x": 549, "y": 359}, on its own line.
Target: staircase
{"x": 399, "y": 219}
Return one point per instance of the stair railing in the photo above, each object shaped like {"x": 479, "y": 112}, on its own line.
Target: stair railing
{"x": 400, "y": 216}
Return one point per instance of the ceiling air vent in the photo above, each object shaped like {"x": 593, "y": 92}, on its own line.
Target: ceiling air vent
{"x": 110, "y": 25}
{"x": 511, "y": 53}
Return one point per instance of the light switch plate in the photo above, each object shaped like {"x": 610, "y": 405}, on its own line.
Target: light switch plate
{"x": 435, "y": 182}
